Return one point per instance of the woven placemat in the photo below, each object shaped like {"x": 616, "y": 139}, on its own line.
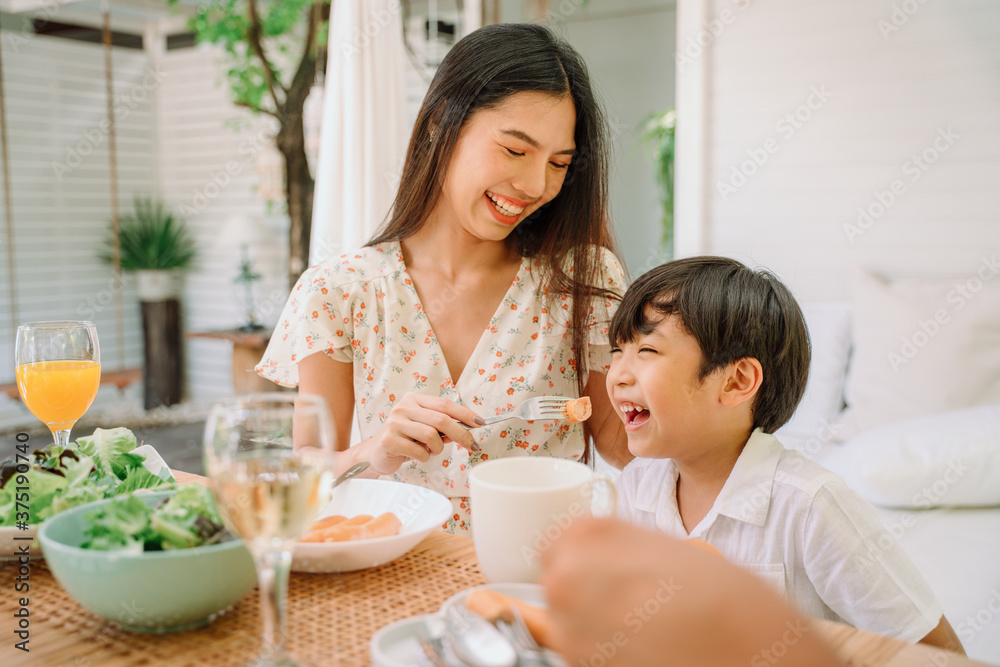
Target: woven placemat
{"x": 331, "y": 617}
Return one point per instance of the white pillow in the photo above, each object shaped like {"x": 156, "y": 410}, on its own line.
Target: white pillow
{"x": 830, "y": 337}
{"x": 950, "y": 459}
{"x": 921, "y": 347}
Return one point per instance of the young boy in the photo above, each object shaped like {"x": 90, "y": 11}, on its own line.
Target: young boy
{"x": 708, "y": 359}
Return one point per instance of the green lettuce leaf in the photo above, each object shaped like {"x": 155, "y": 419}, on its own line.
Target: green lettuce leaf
{"x": 120, "y": 524}
{"x": 188, "y": 519}
{"x": 77, "y": 469}
{"x": 7, "y": 506}
{"x": 111, "y": 450}
{"x": 94, "y": 467}
{"x": 94, "y": 488}
{"x": 140, "y": 478}
{"x": 44, "y": 487}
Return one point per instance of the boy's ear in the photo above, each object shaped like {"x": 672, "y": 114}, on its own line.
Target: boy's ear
{"x": 742, "y": 381}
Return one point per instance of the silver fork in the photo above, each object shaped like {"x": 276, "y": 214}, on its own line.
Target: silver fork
{"x": 433, "y": 644}
{"x": 529, "y": 653}
{"x": 539, "y": 407}
{"x": 522, "y": 633}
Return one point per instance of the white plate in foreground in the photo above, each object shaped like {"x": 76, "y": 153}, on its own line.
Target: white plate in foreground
{"x": 10, "y": 548}
{"x": 398, "y": 644}
{"x": 419, "y": 509}
{"x": 530, "y": 593}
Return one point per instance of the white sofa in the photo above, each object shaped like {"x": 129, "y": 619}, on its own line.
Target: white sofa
{"x": 923, "y": 445}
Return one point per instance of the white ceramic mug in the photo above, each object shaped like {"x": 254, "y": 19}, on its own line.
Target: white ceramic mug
{"x": 520, "y": 505}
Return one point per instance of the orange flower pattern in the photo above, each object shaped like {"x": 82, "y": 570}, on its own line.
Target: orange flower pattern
{"x": 362, "y": 308}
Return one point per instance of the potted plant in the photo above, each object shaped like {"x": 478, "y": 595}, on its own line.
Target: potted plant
{"x": 658, "y": 134}
{"x": 157, "y": 246}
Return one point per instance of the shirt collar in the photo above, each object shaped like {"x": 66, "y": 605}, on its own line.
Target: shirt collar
{"x": 655, "y": 492}
{"x": 746, "y": 495}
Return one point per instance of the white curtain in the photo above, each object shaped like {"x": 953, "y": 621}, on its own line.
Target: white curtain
{"x": 365, "y": 129}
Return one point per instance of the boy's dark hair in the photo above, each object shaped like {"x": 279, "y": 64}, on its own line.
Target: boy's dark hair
{"x": 734, "y": 312}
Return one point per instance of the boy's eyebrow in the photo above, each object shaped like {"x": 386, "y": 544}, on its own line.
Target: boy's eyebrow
{"x": 655, "y": 333}
{"x": 526, "y": 138}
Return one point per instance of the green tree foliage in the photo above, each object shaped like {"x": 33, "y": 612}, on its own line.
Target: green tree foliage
{"x": 272, "y": 48}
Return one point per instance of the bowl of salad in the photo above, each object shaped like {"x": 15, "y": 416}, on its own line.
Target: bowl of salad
{"x": 36, "y": 484}
{"x": 150, "y": 562}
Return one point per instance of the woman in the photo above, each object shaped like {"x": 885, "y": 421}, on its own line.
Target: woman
{"x": 492, "y": 281}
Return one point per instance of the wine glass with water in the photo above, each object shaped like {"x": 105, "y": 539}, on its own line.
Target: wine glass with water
{"x": 58, "y": 372}
{"x": 270, "y": 461}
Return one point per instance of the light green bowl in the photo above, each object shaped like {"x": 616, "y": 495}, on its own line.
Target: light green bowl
{"x": 158, "y": 591}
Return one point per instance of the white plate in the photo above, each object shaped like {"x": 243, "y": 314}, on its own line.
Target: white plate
{"x": 531, "y": 593}
{"x": 9, "y": 547}
{"x": 398, "y": 644}
{"x": 419, "y": 509}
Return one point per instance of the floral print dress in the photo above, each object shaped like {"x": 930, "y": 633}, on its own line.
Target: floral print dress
{"x": 362, "y": 308}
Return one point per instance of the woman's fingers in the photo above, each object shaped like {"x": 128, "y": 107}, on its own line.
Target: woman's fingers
{"x": 450, "y": 408}
{"x": 432, "y": 419}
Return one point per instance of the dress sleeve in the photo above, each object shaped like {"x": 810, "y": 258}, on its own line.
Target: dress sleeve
{"x": 313, "y": 320}
{"x": 601, "y": 312}
{"x": 861, "y": 572}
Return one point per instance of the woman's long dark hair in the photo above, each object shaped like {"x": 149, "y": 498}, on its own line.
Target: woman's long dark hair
{"x": 480, "y": 72}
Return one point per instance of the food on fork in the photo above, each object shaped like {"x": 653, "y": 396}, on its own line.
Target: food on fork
{"x": 578, "y": 409}
{"x": 495, "y": 607}
{"x": 361, "y": 527}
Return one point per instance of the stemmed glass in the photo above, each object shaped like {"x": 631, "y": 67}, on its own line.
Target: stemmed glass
{"x": 58, "y": 372}
{"x": 270, "y": 461}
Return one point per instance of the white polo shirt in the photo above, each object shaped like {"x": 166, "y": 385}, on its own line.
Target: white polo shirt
{"x": 798, "y": 526}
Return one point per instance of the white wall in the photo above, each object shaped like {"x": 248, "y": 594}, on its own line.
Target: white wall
{"x": 894, "y": 86}
{"x": 629, "y": 48}
{"x": 180, "y": 138}
{"x": 208, "y": 162}
{"x": 60, "y": 191}
{"x": 187, "y": 143}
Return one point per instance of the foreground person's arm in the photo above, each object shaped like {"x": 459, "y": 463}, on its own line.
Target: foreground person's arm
{"x": 943, "y": 636}
{"x": 638, "y": 598}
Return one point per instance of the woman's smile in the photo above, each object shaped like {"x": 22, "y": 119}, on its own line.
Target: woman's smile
{"x": 510, "y": 159}
{"x": 505, "y": 210}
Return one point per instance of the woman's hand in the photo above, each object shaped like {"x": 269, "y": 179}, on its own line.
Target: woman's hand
{"x": 417, "y": 428}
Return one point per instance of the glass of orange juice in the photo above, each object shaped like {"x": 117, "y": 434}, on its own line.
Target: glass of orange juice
{"x": 58, "y": 372}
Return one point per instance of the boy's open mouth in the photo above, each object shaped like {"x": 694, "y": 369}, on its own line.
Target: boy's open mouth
{"x": 635, "y": 415}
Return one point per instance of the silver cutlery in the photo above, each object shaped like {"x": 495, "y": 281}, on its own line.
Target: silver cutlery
{"x": 539, "y": 407}
{"x": 353, "y": 471}
{"x": 477, "y": 642}
{"x": 432, "y": 643}
{"x": 529, "y": 652}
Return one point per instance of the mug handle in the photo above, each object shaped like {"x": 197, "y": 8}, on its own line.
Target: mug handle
{"x": 610, "y": 510}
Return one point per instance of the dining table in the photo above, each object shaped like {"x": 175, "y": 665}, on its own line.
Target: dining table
{"x": 331, "y": 618}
